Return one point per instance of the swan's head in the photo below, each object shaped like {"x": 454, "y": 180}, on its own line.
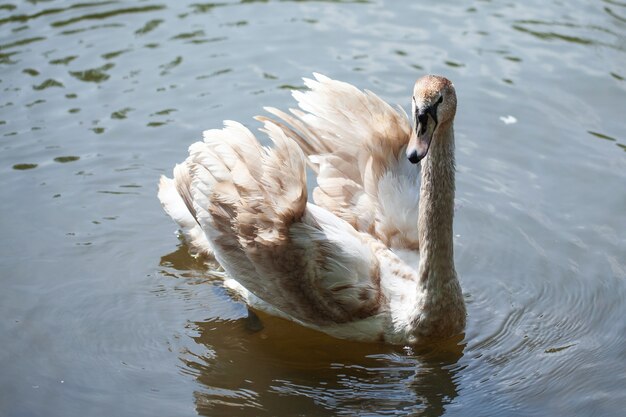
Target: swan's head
{"x": 434, "y": 106}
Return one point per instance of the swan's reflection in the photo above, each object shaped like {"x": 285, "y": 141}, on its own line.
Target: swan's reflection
{"x": 283, "y": 368}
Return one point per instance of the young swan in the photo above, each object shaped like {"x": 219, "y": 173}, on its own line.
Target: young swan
{"x": 373, "y": 260}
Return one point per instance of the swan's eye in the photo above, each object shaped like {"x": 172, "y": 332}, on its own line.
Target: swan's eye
{"x": 440, "y": 100}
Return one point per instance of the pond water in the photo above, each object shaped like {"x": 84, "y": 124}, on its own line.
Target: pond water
{"x": 102, "y": 310}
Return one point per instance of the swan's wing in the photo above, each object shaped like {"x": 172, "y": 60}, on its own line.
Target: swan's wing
{"x": 356, "y": 142}
{"x": 251, "y": 203}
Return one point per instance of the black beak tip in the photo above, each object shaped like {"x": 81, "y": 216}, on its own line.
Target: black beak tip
{"x": 414, "y": 158}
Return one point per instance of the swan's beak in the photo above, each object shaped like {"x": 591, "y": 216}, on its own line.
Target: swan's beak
{"x": 420, "y": 140}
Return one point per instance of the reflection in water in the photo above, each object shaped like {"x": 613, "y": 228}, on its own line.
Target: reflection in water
{"x": 185, "y": 264}
{"x": 308, "y": 372}
{"x": 302, "y": 371}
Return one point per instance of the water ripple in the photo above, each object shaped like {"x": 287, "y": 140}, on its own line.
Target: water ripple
{"x": 107, "y": 14}
{"x": 100, "y": 98}
{"x": 22, "y": 18}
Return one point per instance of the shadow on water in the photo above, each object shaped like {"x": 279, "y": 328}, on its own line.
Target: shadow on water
{"x": 280, "y": 364}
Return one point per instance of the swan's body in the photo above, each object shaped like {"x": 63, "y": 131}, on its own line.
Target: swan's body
{"x": 359, "y": 265}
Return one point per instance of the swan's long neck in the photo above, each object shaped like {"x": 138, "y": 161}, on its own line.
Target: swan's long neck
{"x": 436, "y": 209}
{"x": 436, "y": 270}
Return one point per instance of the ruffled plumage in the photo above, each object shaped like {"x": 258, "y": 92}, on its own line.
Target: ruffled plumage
{"x": 339, "y": 266}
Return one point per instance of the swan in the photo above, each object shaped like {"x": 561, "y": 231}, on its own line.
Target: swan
{"x": 372, "y": 260}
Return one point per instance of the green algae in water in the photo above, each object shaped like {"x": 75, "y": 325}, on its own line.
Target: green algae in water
{"x": 454, "y": 64}
{"x": 108, "y": 14}
{"x": 30, "y": 71}
{"x": 601, "y": 136}
{"x": 47, "y": 84}
{"x": 163, "y": 112}
{"x": 121, "y": 114}
{"x": 189, "y": 35}
{"x": 214, "y": 74}
{"x": 114, "y": 54}
{"x": 293, "y": 87}
{"x": 66, "y": 159}
{"x": 63, "y": 61}
{"x": 34, "y": 103}
{"x": 172, "y": 64}
{"x": 156, "y": 124}
{"x": 24, "y": 167}
{"x": 149, "y": 26}
{"x": 93, "y": 75}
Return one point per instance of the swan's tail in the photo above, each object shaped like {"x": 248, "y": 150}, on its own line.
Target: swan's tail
{"x": 246, "y": 191}
{"x": 230, "y": 188}
{"x": 176, "y": 199}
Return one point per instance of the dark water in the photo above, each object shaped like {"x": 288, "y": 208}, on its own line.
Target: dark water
{"x": 103, "y": 312}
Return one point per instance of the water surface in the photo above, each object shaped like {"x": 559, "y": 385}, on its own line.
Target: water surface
{"x": 103, "y": 311}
